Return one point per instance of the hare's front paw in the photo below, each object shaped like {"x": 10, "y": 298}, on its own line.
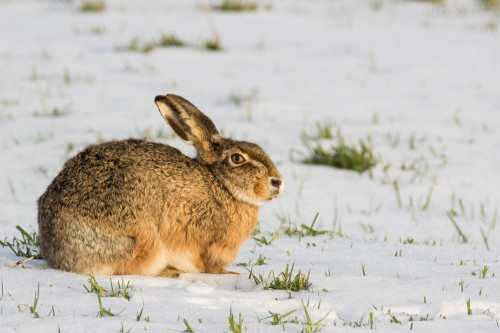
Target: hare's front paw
{"x": 220, "y": 270}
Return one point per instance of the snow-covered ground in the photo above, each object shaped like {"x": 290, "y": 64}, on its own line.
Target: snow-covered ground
{"x": 420, "y": 82}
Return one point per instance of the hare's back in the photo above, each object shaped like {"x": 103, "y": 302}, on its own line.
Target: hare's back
{"x": 115, "y": 181}
{"x": 118, "y": 163}
{"x": 127, "y": 154}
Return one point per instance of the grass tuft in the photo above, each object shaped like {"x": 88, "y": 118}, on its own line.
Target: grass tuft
{"x": 283, "y": 281}
{"x": 35, "y": 303}
{"x": 236, "y": 6}
{"x": 436, "y": 2}
{"x": 292, "y": 230}
{"x": 343, "y": 156}
{"x": 170, "y": 40}
{"x": 310, "y": 231}
{"x": 240, "y": 99}
{"x": 286, "y": 281}
{"x": 235, "y": 327}
{"x": 26, "y": 246}
{"x": 93, "y": 6}
{"x": 121, "y": 289}
{"x": 281, "y": 319}
{"x": 310, "y": 326}
{"x": 55, "y": 112}
{"x": 213, "y": 44}
{"x": 165, "y": 40}
{"x": 260, "y": 261}
{"x": 481, "y": 273}
{"x": 188, "y": 327}
{"x": 137, "y": 45}
{"x": 463, "y": 238}
{"x": 493, "y": 5}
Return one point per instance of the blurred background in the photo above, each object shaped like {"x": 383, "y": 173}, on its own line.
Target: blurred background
{"x": 416, "y": 83}
{"x": 383, "y": 117}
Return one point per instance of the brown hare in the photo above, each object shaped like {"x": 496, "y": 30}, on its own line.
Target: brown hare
{"x": 144, "y": 208}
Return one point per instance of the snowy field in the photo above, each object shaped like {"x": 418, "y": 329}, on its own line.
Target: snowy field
{"x": 413, "y": 244}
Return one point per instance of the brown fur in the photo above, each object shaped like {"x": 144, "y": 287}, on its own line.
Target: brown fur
{"x": 138, "y": 207}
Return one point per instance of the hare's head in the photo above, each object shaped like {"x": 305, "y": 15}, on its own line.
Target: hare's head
{"x": 243, "y": 167}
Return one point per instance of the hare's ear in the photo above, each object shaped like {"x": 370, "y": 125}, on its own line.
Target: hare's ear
{"x": 189, "y": 123}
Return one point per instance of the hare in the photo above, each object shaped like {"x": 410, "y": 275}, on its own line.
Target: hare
{"x": 143, "y": 208}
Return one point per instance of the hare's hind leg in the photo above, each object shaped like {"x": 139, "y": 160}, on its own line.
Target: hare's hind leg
{"x": 76, "y": 247}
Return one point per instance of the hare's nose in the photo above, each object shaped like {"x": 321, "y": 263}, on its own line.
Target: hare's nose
{"x": 276, "y": 183}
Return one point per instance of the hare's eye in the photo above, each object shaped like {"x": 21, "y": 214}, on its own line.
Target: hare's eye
{"x": 237, "y": 158}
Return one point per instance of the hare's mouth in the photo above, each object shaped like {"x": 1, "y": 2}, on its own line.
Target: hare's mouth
{"x": 276, "y": 189}
{"x": 275, "y": 195}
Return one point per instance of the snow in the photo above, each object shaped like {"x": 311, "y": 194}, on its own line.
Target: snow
{"x": 384, "y": 71}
